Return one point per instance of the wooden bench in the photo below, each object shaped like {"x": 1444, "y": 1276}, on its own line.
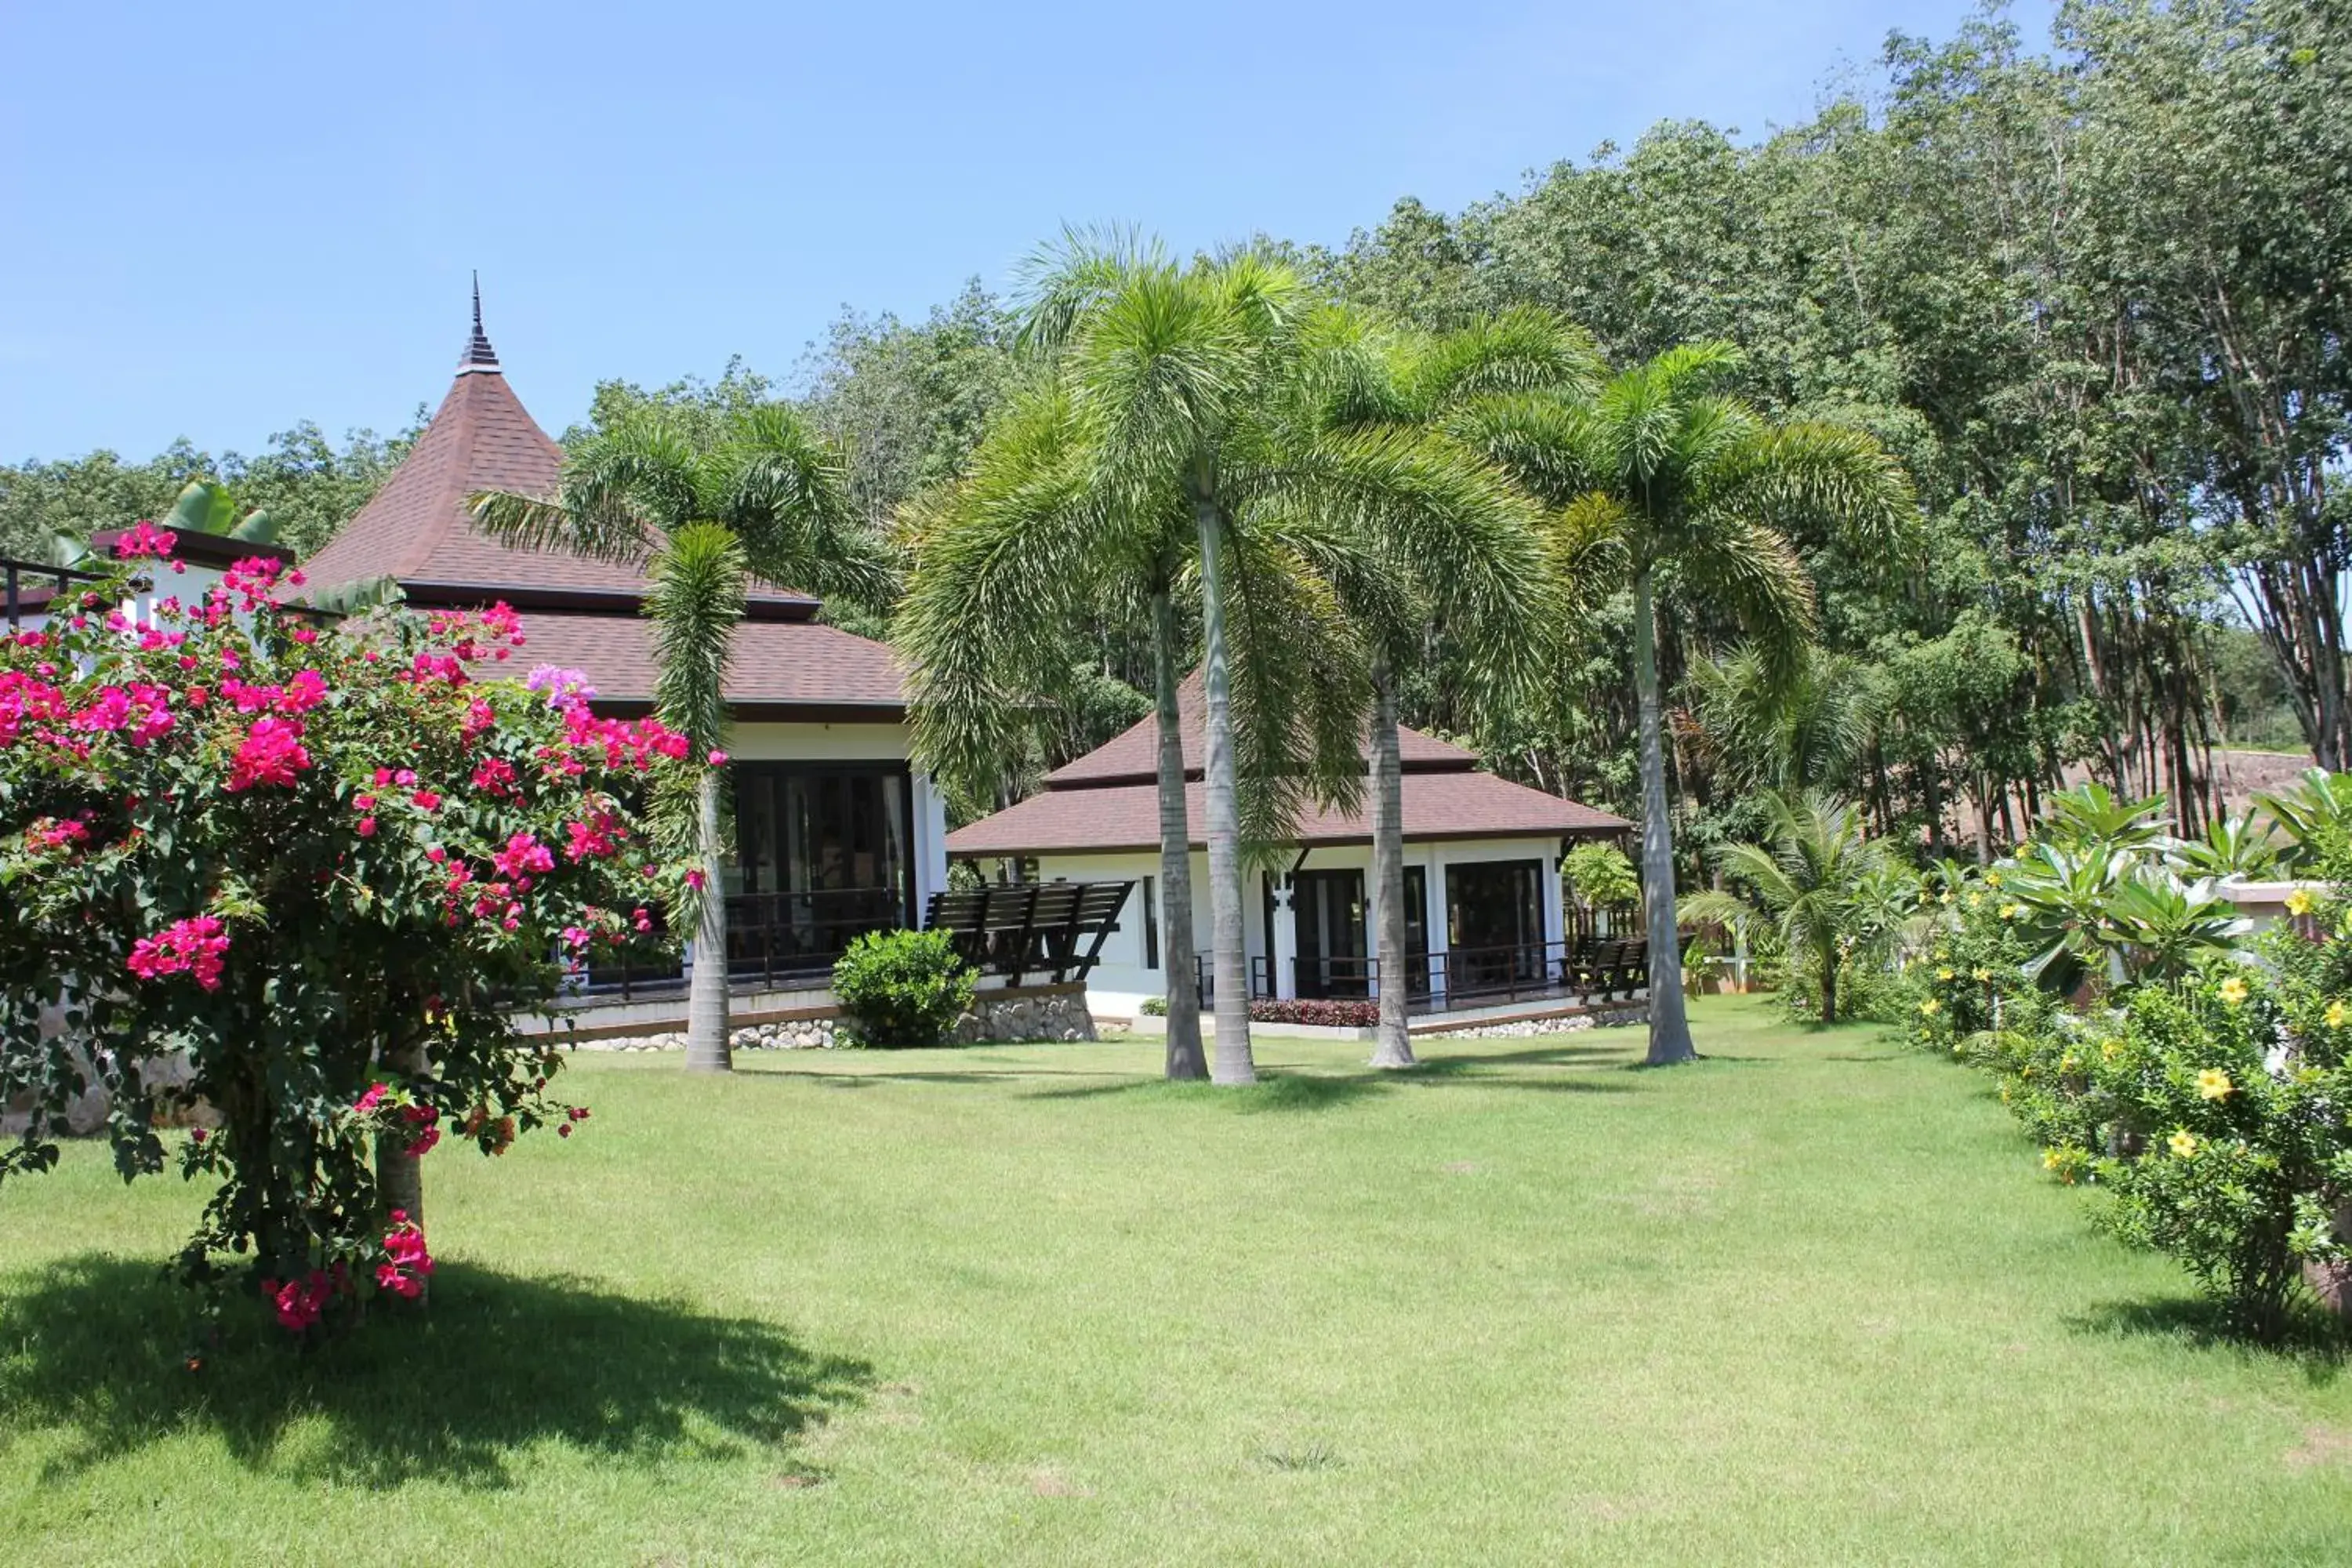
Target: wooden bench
{"x": 1048, "y": 928}
{"x": 1607, "y": 966}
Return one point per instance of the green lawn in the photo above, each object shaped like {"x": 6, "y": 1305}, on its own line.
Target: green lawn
{"x": 1811, "y": 1300}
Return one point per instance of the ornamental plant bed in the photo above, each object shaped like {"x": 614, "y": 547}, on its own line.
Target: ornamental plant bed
{"x": 1320, "y": 1013}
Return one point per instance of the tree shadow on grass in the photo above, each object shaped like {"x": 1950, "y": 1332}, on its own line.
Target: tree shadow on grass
{"x": 1277, "y": 1089}
{"x": 2317, "y": 1344}
{"x": 459, "y": 1393}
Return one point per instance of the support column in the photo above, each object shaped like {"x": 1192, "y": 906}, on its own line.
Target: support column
{"x": 1435, "y": 916}
{"x": 1282, "y": 941}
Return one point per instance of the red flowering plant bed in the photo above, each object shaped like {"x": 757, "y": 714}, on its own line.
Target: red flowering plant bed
{"x": 1324, "y": 1013}
{"x": 324, "y": 864}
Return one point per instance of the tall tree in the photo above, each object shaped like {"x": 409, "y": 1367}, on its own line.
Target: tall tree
{"x": 1456, "y": 556}
{"x": 1697, "y": 495}
{"x": 752, "y": 495}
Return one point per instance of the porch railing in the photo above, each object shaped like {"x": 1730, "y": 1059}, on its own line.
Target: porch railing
{"x": 1584, "y": 968}
{"x": 770, "y": 937}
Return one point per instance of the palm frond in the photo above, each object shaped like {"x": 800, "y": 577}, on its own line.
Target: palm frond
{"x": 697, "y": 582}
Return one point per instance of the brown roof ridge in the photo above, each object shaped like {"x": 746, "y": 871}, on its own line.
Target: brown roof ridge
{"x": 1133, "y": 755}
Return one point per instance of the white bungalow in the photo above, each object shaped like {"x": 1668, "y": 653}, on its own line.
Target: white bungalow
{"x": 1484, "y": 918}
{"x": 836, "y": 833}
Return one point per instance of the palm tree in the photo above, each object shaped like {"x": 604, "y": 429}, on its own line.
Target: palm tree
{"x": 1823, "y": 879}
{"x": 1455, "y": 549}
{"x": 1175, "y": 440}
{"x": 1763, "y": 728}
{"x": 1691, "y": 494}
{"x": 761, "y": 500}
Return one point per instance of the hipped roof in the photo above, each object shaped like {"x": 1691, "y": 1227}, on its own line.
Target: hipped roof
{"x": 1445, "y": 805}
{"x": 1133, "y": 757}
{"x": 577, "y": 613}
{"x": 1109, "y": 800}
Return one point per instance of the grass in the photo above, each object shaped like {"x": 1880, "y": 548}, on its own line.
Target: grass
{"x": 1810, "y": 1300}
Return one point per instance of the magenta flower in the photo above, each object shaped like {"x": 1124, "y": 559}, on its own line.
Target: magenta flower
{"x": 271, "y": 753}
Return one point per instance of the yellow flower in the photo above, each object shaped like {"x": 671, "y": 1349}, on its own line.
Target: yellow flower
{"x": 2011, "y": 911}
{"x": 2233, "y": 991}
{"x": 2068, "y": 1062}
{"x": 1945, "y": 897}
{"x": 2050, "y": 1158}
{"x": 1930, "y": 1008}
{"x": 2214, "y": 1084}
{"x": 1982, "y": 973}
{"x": 1974, "y": 899}
{"x": 2109, "y": 1049}
{"x": 2300, "y": 901}
{"x": 1944, "y": 972}
{"x": 1992, "y": 879}
{"x": 2335, "y": 1015}
{"x": 2183, "y": 1142}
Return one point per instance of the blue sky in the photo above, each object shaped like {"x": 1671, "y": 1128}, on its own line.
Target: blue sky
{"x": 222, "y": 218}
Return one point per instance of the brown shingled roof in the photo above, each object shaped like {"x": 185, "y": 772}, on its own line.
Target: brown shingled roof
{"x": 417, "y": 529}
{"x": 779, "y": 668}
{"x": 416, "y": 526}
{"x": 1135, "y": 755}
{"x": 1439, "y": 805}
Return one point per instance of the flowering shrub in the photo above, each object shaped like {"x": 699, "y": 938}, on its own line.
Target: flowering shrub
{"x": 326, "y": 865}
{"x": 2210, "y": 1109}
{"x": 903, "y": 987}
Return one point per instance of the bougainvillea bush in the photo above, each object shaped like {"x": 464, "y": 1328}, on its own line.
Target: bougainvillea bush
{"x": 321, "y": 866}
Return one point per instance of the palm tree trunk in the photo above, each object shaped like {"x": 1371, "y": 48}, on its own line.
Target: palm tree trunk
{"x": 1232, "y": 1062}
{"x": 1394, "y": 1049}
{"x": 1670, "y": 1040}
{"x": 706, "y": 996}
{"x": 1829, "y": 982}
{"x": 1184, "y": 980}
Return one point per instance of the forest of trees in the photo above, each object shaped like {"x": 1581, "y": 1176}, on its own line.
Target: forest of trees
{"x": 2092, "y": 293}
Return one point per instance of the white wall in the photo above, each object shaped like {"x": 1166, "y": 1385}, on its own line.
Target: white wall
{"x": 765, "y": 743}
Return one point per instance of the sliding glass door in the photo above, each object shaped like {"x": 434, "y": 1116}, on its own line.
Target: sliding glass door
{"x": 822, "y": 854}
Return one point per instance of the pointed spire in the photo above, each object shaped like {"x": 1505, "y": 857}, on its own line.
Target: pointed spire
{"x": 478, "y": 353}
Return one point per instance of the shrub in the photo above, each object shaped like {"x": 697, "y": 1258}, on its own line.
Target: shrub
{"x": 1154, "y": 1007}
{"x": 321, "y": 866}
{"x": 1323, "y": 1014}
{"x": 2238, "y": 1138}
{"x": 903, "y": 988}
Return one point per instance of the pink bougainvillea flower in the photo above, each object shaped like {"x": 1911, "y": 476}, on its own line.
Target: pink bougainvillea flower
{"x": 369, "y": 1100}
{"x": 195, "y": 947}
{"x": 145, "y": 540}
{"x": 271, "y": 753}
{"x": 425, "y": 800}
{"x": 717, "y": 759}
{"x": 697, "y": 880}
{"x": 523, "y": 856}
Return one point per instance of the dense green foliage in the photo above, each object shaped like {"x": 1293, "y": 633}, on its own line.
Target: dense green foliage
{"x": 903, "y": 988}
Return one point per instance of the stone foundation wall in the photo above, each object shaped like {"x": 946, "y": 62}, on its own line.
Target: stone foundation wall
{"x": 1027, "y": 1015}
{"x": 1037, "y": 1015}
